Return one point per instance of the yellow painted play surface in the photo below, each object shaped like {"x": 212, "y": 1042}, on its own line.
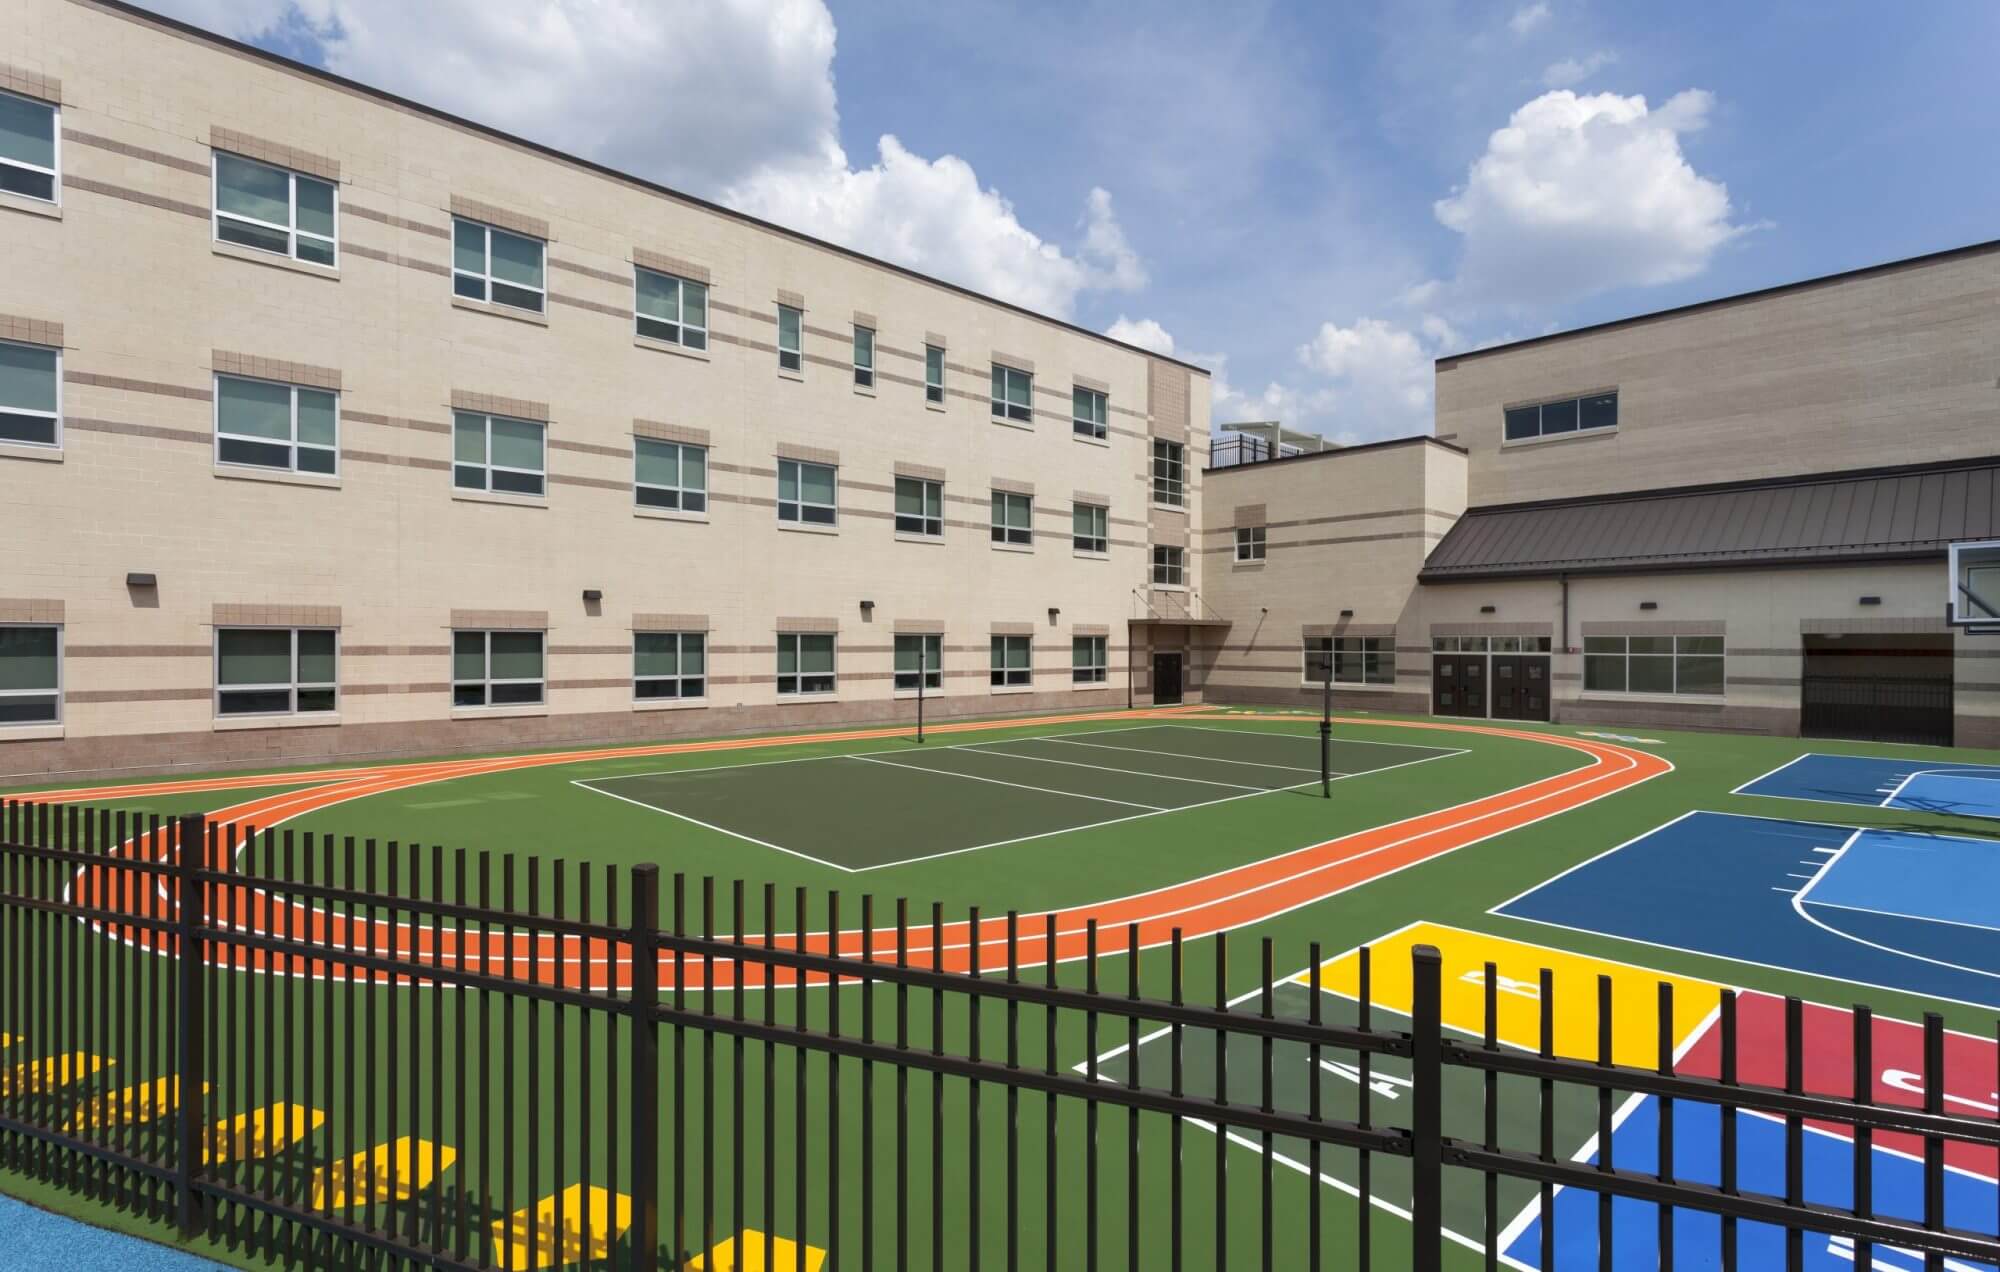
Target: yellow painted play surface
{"x": 591, "y": 1221}
{"x": 51, "y": 1073}
{"x": 131, "y": 1106}
{"x": 759, "y": 1253}
{"x": 260, "y": 1133}
{"x": 1635, "y": 1011}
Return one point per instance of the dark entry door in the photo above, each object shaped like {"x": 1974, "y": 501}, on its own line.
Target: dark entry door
{"x": 1520, "y": 687}
{"x": 1166, "y": 679}
{"x": 1458, "y": 684}
{"x": 1891, "y": 689}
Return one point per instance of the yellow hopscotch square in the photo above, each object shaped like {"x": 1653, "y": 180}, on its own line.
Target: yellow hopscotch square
{"x": 590, "y": 1223}
{"x": 396, "y": 1171}
{"x": 132, "y": 1106}
{"x": 1635, "y": 1011}
{"x": 759, "y": 1254}
{"x": 51, "y": 1073}
{"x": 260, "y": 1133}
{"x": 6, "y": 1040}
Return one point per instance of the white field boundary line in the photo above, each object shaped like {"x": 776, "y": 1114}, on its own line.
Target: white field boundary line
{"x": 1744, "y": 789}
{"x": 1969, "y": 772}
{"x": 986, "y": 748}
{"x": 1185, "y": 755}
{"x": 997, "y": 942}
{"x": 1801, "y": 899}
{"x": 720, "y": 830}
{"x": 1019, "y": 786}
{"x": 1587, "y": 776}
{"x": 1181, "y": 723}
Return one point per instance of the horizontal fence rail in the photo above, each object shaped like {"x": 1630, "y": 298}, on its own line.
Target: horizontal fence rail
{"x": 322, "y": 1051}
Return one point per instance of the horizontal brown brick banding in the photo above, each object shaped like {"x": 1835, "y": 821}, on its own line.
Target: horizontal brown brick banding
{"x": 391, "y": 258}
{"x": 1090, "y": 629}
{"x": 576, "y": 302}
{"x": 807, "y": 454}
{"x": 274, "y": 152}
{"x": 599, "y": 483}
{"x": 494, "y": 404}
{"x": 129, "y": 385}
{"x": 87, "y": 425}
{"x": 18, "y": 79}
{"x": 398, "y": 222}
{"x": 478, "y": 210}
{"x": 39, "y": 331}
{"x": 506, "y": 620}
{"x": 586, "y": 271}
{"x": 394, "y": 651}
{"x": 76, "y": 137}
{"x": 810, "y": 625}
{"x": 106, "y": 188}
{"x": 393, "y": 461}
{"x": 430, "y": 686}
{"x": 1012, "y": 487}
{"x": 136, "y": 651}
{"x": 664, "y": 263}
{"x": 1014, "y": 360}
{"x": 226, "y": 362}
{"x": 392, "y": 421}
{"x": 231, "y": 614}
{"x": 1084, "y": 381}
{"x": 920, "y": 626}
{"x": 661, "y": 432}
{"x": 865, "y": 319}
{"x": 1011, "y": 629}
{"x": 791, "y": 299}
{"x": 136, "y": 695}
{"x": 672, "y": 623}
{"x": 30, "y": 609}
{"x": 588, "y": 448}
{"x": 616, "y": 683}
{"x": 926, "y": 472}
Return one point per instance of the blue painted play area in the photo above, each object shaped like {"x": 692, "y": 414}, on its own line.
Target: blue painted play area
{"x": 1921, "y": 786}
{"x": 1828, "y": 1164}
{"x": 1893, "y": 909}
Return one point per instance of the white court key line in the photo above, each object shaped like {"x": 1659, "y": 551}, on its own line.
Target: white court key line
{"x": 1101, "y": 768}
{"x": 1183, "y": 755}
{"x": 1023, "y": 786}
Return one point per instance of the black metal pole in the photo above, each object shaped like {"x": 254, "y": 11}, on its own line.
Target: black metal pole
{"x": 1426, "y": 1109}
{"x": 190, "y": 1024}
{"x": 645, "y": 1063}
{"x": 922, "y": 674}
{"x": 1326, "y": 730}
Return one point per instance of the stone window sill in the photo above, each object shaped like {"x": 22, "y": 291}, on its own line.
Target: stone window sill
{"x": 31, "y": 733}
{"x": 315, "y": 720}
{"x": 668, "y": 346}
{"x": 904, "y": 536}
{"x": 1686, "y": 699}
{"x": 500, "y": 713}
{"x": 33, "y": 207}
{"x": 277, "y": 477}
{"x": 1026, "y": 426}
{"x": 528, "y": 316}
{"x": 237, "y": 252}
{"x": 670, "y": 514}
{"x": 670, "y": 704}
{"x": 1088, "y": 440}
{"x": 1001, "y": 691}
{"x": 800, "y": 527}
{"x": 489, "y": 497}
{"x": 1574, "y": 435}
{"x": 27, "y": 450}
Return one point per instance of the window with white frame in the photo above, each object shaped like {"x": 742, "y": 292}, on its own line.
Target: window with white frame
{"x": 1012, "y": 657}
{"x": 498, "y": 454}
{"x": 1090, "y": 528}
{"x": 791, "y": 339}
{"x": 805, "y": 662}
{"x": 274, "y": 209}
{"x": 1357, "y": 660}
{"x": 30, "y": 143}
{"x": 919, "y": 656}
{"x": 670, "y": 309}
{"x": 275, "y": 671}
{"x": 920, "y": 507}
{"x": 1089, "y": 661}
{"x": 806, "y": 493}
{"x": 1088, "y": 412}
{"x": 1013, "y": 518}
{"x": 286, "y": 427}
{"x": 933, "y": 374}
{"x": 30, "y": 394}
{"x": 1565, "y": 415}
{"x": 1013, "y": 392}
{"x": 670, "y": 475}
{"x": 1169, "y": 472}
{"x": 497, "y": 669}
{"x": 864, "y": 357}
{"x": 1250, "y": 543}
{"x": 1653, "y": 664}
{"x": 491, "y": 264}
{"x": 1169, "y": 566}
{"x": 669, "y": 666}
{"x": 30, "y": 674}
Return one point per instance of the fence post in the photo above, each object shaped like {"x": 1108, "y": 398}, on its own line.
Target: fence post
{"x": 1426, "y": 1110}
{"x": 645, "y": 1058}
{"x": 190, "y": 841}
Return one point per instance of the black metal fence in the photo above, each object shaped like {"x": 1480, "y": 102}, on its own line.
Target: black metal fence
{"x": 323, "y": 1052}
{"x": 1877, "y": 708}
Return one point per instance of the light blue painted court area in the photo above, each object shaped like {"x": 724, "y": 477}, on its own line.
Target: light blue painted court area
{"x": 1918, "y": 786}
{"x": 1827, "y": 1162}
{"x": 34, "y": 1240}
{"x": 1889, "y": 909}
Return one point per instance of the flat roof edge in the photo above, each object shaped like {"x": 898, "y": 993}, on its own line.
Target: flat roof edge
{"x": 1413, "y": 440}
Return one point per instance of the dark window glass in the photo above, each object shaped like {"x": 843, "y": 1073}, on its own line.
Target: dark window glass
{"x": 1524, "y": 421}
{"x": 1559, "y": 417}
{"x": 1600, "y": 412}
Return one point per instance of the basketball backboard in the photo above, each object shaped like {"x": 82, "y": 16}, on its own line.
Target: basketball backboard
{"x": 1974, "y": 602}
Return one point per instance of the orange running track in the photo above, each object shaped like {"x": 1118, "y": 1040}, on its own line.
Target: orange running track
{"x": 1241, "y": 895}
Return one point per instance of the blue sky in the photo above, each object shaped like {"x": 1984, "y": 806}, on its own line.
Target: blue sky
{"x": 1313, "y": 199}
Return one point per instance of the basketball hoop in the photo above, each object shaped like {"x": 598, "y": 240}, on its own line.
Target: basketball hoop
{"x": 1972, "y": 602}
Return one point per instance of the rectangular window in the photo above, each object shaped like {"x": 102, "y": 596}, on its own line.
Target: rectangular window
{"x": 275, "y": 671}
{"x": 671, "y": 475}
{"x": 805, "y": 663}
{"x": 497, "y": 669}
{"x": 1250, "y": 543}
{"x": 1091, "y": 531}
{"x": 1169, "y": 472}
{"x": 1364, "y": 660}
{"x": 919, "y": 653}
{"x": 491, "y": 264}
{"x": 1013, "y": 518}
{"x": 274, "y": 210}
{"x": 495, "y": 453}
{"x": 806, "y": 493}
{"x": 674, "y": 310}
{"x": 933, "y": 374}
{"x": 30, "y": 675}
{"x": 1569, "y": 415}
{"x": 1653, "y": 664}
{"x": 264, "y": 424}
{"x": 1319, "y": 655}
{"x": 30, "y": 394}
{"x": 791, "y": 339}
{"x": 864, "y": 357}
{"x": 669, "y": 665}
{"x": 1012, "y": 394}
{"x": 1011, "y": 660}
{"x": 919, "y": 507}
{"x": 1088, "y": 412}
{"x": 29, "y": 143}
{"x": 1087, "y": 660}
{"x": 1168, "y": 568}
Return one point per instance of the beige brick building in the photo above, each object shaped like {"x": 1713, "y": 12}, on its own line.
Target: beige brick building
{"x": 332, "y": 426}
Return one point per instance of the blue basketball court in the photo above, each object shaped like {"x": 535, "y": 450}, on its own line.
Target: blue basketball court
{"x": 1890, "y": 909}
{"x": 1922, "y": 786}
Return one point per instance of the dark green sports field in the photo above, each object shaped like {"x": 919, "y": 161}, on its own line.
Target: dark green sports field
{"x": 1037, "y": 817}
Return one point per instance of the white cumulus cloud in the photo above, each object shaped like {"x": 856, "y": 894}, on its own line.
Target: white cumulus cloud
{"x": 1380, "y": 372}
{"x": 1572, "y": 71}
{"x": 1528, "y": 18}
{"x": 1147, "y": 333}
{"x": 1578, "y": 194}
{"x": 728, "y": 99}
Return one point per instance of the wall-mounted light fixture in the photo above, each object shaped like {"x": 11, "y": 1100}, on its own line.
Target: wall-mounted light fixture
{"x": 1489, "y": 609}
{"x": 1871, "y": 600}
{"x": 1053, "y": 611}
{"x": 867, "y": 607}
{"x": 1347, "y": 613}
{"x": 1649, "y": 605}
{"x": 592, "y": 596}
{"x": 138, "y": 578}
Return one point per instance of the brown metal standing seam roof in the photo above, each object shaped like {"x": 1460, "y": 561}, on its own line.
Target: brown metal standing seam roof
{"x": 1871, "y": 515}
